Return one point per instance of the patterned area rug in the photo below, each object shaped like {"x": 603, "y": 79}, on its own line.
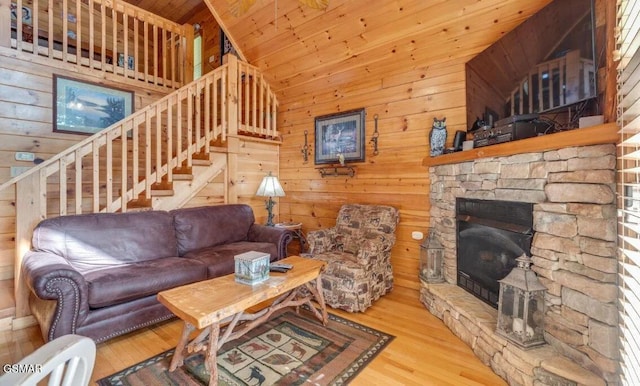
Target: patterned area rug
{"x": 289, "y": 349}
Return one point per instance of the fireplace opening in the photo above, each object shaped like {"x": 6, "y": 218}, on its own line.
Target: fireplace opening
{"x": 490, "y": 235}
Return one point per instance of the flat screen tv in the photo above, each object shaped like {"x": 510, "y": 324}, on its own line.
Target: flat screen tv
{"x": 546, "y": 66}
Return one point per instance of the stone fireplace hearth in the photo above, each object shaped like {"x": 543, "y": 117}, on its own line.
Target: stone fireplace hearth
{"x": 573, "y": 252}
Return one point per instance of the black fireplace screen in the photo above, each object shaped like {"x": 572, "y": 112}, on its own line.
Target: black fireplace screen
{"x": 490, "y": 236}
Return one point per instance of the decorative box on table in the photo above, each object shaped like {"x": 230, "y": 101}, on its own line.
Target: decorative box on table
{"x": 252, "y": 267}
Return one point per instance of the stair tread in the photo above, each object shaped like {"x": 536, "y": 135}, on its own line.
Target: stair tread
{"x": 163, "y": 185}
{"x": 139, "y": 204}
{"x": 8, "y": 312}
{"x": 7, "y": 299}
{"x": 201, "y": 156}
{"x": 162, "y": 192}
{"x": 139, "y": 208}
{"x": 182, "y": 177}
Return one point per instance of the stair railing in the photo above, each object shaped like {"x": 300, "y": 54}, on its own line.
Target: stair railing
{"x": 123, "y": 163}
{"x": 106, "y": 35}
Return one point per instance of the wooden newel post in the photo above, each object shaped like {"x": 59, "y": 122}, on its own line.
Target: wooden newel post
{"x": 30, "y": 210}
{"x": 233, "y": 94}
{"x": 5, "y": 22}
{"x": 187, "y": 50}
{"x": 233, "y": 143}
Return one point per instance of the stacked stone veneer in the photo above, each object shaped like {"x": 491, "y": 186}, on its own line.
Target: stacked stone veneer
{"x": 574, "y": 255}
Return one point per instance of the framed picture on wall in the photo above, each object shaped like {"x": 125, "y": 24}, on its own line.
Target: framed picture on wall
{"x": 130, "y": 61}
{"x": 82, "y": 107}
{"x": 26, "y": 14}
{"x": 340, "y": 137}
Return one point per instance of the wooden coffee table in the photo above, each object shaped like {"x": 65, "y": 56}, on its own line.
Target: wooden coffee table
{"x": 219, "y": 306}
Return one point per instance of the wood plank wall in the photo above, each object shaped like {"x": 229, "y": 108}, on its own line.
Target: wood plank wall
{"x": 406, "y": 100}
{"x": 26, "y": 117}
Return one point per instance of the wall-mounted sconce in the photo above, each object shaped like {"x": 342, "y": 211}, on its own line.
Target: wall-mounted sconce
{"x": 305, "y": 148}
{"x": 374, "y": 137}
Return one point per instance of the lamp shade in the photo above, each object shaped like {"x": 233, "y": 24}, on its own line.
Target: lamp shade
{"x": 270, "y": 187}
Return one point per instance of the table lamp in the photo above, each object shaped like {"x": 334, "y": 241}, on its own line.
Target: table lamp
{"x": 270, "y": 187}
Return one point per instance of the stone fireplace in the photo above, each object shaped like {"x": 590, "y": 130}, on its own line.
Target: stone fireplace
{"x": 574, "y": 255}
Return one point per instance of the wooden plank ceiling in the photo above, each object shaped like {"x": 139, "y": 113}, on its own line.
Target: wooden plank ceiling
{"x": 179, "y": 11}
{"x": 295, "y": 44}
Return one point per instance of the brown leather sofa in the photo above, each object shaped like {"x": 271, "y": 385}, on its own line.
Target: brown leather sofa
{"x": 97, "y": 275}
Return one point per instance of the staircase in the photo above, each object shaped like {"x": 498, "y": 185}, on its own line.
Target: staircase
{"x": 157, "y": 158}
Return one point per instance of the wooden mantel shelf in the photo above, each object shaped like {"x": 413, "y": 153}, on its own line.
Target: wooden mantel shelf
{"x": 595, "y": 135}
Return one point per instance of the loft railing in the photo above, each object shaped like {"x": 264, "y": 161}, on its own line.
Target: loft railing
{"x": 106, "y": 35}
{"x": 124, "y": 162}
{"x": 554, "y": 84}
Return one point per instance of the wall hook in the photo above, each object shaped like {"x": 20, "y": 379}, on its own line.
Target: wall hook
{"x": 374, "y": 138}
{"x": 335, "y": 171}
{"x": 305, "y": 148}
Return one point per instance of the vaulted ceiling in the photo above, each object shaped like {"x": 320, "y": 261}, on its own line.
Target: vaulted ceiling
{"x": 296, "y": 45}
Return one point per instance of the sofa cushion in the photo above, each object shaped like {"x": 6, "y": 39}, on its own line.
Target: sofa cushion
{"x": 220, "y": 259}
{"x": 100, "y": 240}
{"x": 208, "y": 226}
{"x": 117, "y": 285}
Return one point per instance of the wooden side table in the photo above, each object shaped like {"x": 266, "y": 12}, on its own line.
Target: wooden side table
{"x": 296, "y": 228}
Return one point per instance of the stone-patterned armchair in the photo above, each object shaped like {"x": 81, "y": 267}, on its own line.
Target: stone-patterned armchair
{"x": 358, "y": 255}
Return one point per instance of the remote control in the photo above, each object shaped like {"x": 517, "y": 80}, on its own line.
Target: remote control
{"x": 281, "y": 265}
{"x": 278, "y": 269}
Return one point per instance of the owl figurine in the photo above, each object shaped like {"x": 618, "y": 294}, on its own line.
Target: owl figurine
{"x": 438, "y": 136}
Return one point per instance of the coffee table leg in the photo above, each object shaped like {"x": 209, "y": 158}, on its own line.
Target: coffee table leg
{"x": 212, "y": 353}
{"x": 178, "y": 354}
{"x": 320, "y": 309}
{"x": 320, "y": 299}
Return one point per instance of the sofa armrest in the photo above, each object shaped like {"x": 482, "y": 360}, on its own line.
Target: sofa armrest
{"x": 279, "y": 236}
{"x": 51, "y": 277}
{"x": 321, "y": 240}
{"x": 375, "y": 248}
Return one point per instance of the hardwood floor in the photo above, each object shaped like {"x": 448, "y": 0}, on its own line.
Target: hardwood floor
{"x": 424, "y": 351}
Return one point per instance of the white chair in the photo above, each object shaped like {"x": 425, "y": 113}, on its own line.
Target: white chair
{"x": 67, "y": 360}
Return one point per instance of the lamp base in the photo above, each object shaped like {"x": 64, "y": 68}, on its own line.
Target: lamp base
{"x": 269, "y": 205}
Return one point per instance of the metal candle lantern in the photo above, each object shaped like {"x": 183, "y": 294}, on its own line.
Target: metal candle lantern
{"x": 431, "y": 259}
{"x": 521, "y": 306}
